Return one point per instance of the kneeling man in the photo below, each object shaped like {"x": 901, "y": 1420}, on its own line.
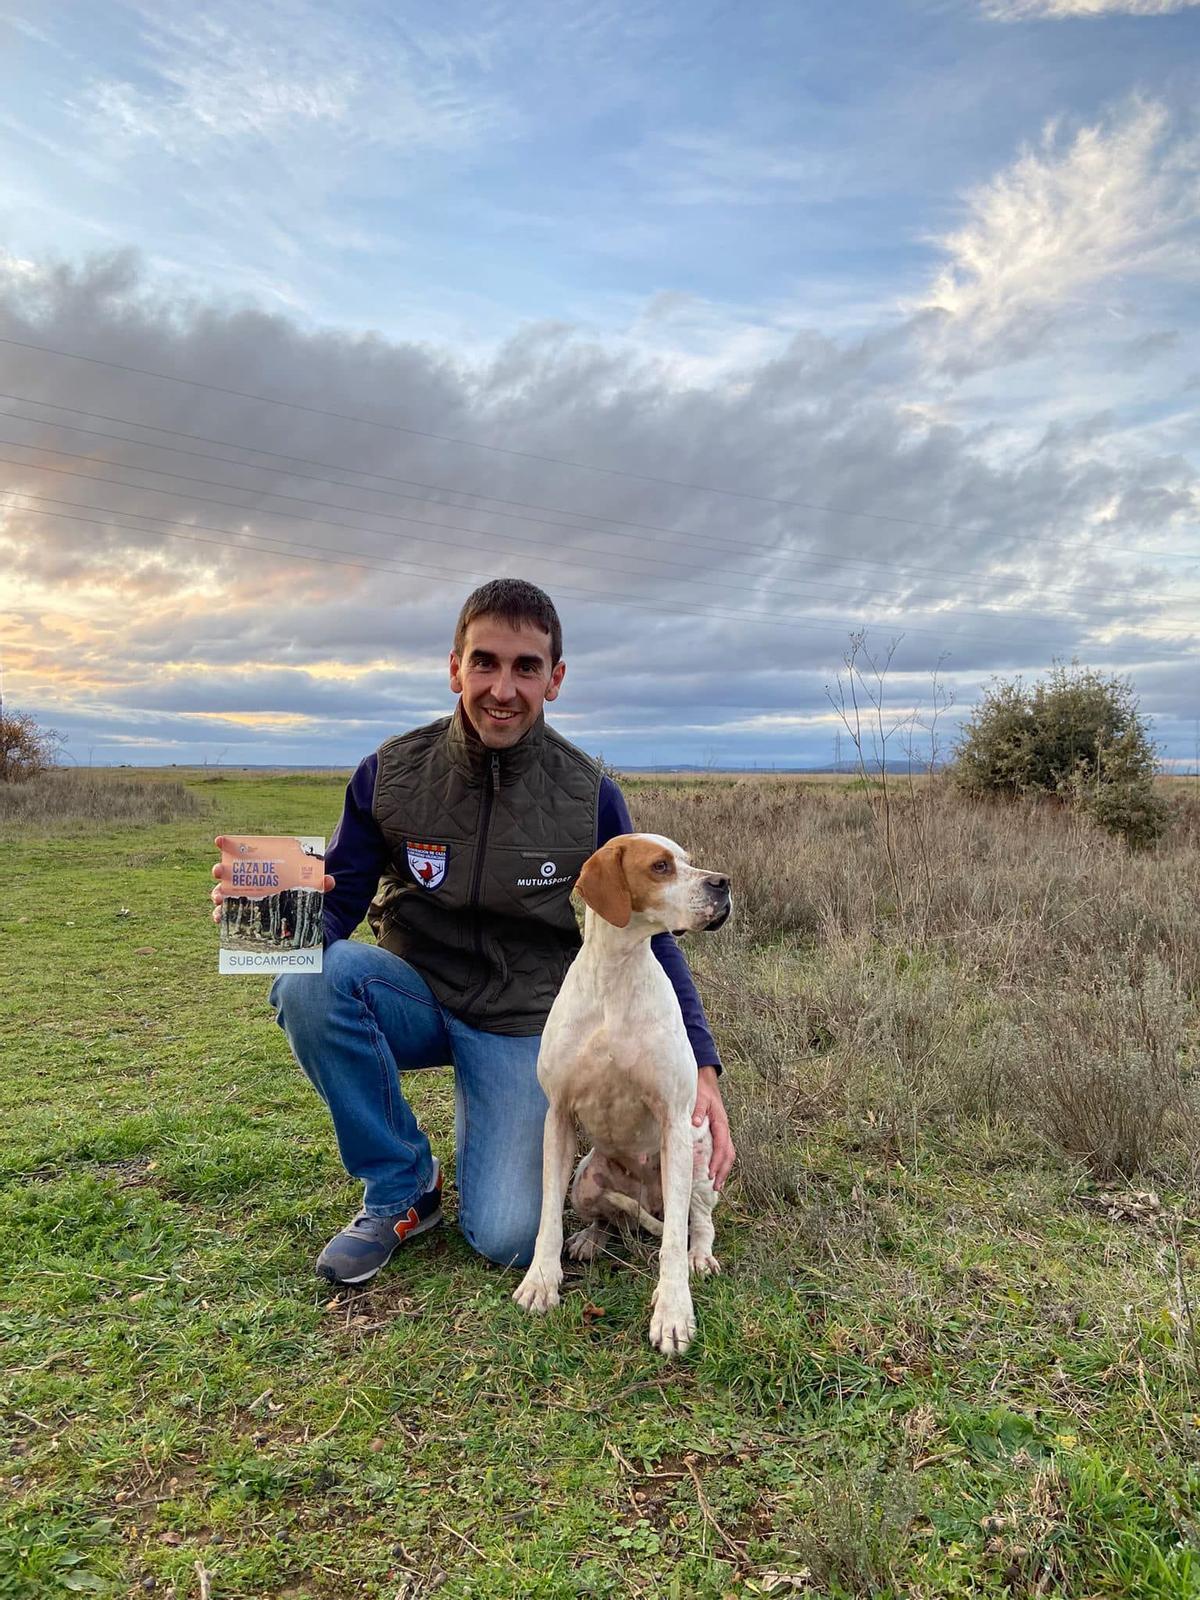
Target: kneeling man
{"x": 461, "y": 841}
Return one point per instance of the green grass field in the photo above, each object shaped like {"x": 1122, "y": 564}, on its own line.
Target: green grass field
{"x": 942, "y": 1365}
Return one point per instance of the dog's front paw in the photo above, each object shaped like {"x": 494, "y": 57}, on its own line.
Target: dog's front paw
{"x": 700, "y": 1263}
{"x": 538, "y": 1290}
{"x": 673, "y": 1325}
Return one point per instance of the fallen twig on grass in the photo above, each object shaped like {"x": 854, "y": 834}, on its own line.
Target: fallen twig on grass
{"x": 1150, "y": 1406}
{"x": 463, "y": 1538}
{"x": 738, "y": 1551}
{"x": 475, "y": 1547}
{"x": 614, "y": 1452}
{"x": 645, "y": 1383}
{"x": 25, "y": 1417}
{"x": 318, "y": 1437}
{"x": 642, "y": 1477}
{"x": 39, "y": 1366}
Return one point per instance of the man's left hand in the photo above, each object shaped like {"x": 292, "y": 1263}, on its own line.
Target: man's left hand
{"x": 709, "y": 1104}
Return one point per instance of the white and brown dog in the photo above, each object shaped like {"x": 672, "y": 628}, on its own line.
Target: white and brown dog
{"x": 615, "y": 1055}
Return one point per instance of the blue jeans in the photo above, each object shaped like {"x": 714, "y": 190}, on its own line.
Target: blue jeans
{"x": 367, "y": 1018}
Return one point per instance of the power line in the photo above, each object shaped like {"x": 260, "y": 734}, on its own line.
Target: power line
{"x": 421, "y": 569}
{"x": 266, "y": 546}
{"x": 439, "y": 527}
{"x": 348, "y": 527}
{"x": 320, "y": 554}
{"x": 475, "y": 444}
{"x": 787, "y": 551}
{"x": 387, "y": 516}
{"x": 519, "y": 505}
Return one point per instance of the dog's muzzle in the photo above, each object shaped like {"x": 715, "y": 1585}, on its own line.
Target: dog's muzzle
{"x": 720, "y": 915}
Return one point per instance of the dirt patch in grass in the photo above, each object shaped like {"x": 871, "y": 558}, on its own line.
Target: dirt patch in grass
{"x": 354, "y": 1316}
{"x": 133, "y": 1173}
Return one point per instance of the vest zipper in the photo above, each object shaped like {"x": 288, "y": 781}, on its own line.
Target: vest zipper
{"x": 485, "y": 822}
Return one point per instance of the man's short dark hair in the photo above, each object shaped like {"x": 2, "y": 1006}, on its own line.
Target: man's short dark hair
{"x": 514, "y": 601}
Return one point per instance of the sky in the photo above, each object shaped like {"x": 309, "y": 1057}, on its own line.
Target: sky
{"x": 742, "y": 330}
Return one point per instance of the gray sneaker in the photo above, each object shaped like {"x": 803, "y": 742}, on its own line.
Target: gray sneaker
{"x": 357, "y": 1253}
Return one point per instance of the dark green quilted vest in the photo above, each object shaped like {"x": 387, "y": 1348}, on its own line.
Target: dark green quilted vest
{"x": 485, "y": 849}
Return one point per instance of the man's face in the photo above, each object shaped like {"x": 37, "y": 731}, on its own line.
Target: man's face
{"x": 504, "y": 675}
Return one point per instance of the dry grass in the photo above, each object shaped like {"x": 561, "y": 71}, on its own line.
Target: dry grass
{"x": 92, "y": 796}
{"x": 854, "y": 1537}
{"x": 1009, "y": 962}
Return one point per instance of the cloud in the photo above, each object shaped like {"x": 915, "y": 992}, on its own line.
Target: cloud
{"x": 179, "y": 555}
{"x": 288, "y": 79}
{"x": 245, "y": 99}
{"x": 23, "y": 26}
{"x": 1059, "y": 10}
{"x": 1057, "y": 232}
{"x": 699, "y": 168}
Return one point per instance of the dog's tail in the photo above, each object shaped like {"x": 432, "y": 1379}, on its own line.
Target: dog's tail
{"x": 638, "y": 1214}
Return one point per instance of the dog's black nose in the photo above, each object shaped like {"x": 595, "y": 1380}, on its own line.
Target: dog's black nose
{"x": 716, "y": 881}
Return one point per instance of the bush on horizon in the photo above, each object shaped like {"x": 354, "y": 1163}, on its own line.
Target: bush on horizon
{"x": 1077, "y": 735}
{"x": 26, "y": 748}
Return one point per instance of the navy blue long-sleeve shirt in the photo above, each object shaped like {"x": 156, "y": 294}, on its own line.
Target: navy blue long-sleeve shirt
{"x": 358, "y": 855}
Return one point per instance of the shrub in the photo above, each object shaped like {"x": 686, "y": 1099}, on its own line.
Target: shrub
{"x": 995, "y": 753}
{"x": 1131, "y": 810}
{"x": 25, "y": 748}
{"x": 858, "y": 1529}
{"x": 1106, "y": 1071}
{"x": 1077, "y": 735}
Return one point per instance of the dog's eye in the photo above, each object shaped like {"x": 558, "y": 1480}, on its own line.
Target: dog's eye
{"x": 661, "y": 866}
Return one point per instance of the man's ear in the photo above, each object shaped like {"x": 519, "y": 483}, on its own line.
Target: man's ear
{"x": 456, "y": 686}
{"x": 602, "y": 885}
{"x": 556, "y": 678}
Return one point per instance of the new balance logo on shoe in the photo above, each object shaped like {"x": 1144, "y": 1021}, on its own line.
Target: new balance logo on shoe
{"x": 368, "y": 1243}
{"x": 415, "y": 1216}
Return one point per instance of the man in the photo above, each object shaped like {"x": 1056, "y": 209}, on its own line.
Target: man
{"x": 461, "y": 841}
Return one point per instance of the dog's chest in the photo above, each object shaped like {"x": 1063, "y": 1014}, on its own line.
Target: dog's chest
{"x": 616, "y": 1052}
{"x": 622, "y": 1083}
{"x": 620, "y": 1111}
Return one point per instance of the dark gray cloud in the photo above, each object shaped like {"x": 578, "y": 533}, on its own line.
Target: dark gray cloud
{"x": 234, "y": 562}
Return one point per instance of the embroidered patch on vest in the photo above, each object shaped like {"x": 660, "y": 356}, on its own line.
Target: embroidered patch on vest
{"x": 427, "y": 863}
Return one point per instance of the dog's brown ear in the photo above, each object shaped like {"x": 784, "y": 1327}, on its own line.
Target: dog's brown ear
{"x": 603, "y": 887}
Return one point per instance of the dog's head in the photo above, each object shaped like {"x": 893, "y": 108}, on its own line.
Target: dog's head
{"x": 647, "y": 876}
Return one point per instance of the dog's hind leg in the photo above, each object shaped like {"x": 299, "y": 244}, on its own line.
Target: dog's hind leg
{"x": 599, "y": 1197}
{"x": 589, "y": 1242}
{"x": 701, "y": 1234}
{"x": 627, "y": 1206}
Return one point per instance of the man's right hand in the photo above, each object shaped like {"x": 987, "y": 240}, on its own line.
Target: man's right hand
{"x": 220, "y": 872}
